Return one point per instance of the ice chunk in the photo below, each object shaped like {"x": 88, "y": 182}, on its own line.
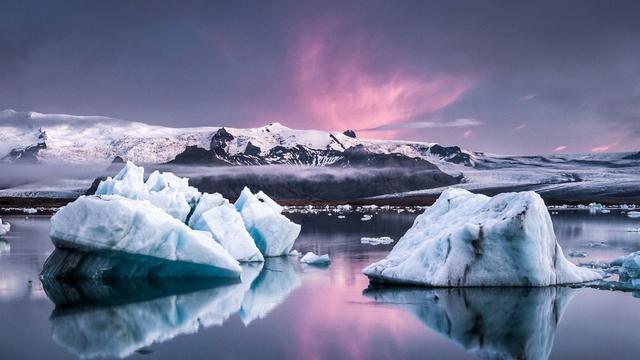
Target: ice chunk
{"x": 136, "y": 230}
{"x": 577, "y": 254}
{"x": 273, "y": 233}
{"x": 493, "y": 323}
{"x": 166, "y": 191}
{"x": 4, "y": 228}
{"x": 366, "y": 217}
{"x": 629, "y": 266}
{"x": 294, "y": 252}
{"x": 215, "y": 215}
{"x": 466, "y": 239}
{"x": 313, "y": 259}
{"x": 5, "y": 247}
{"x": 383, "y": 240}
{"x": 633, "y": 214}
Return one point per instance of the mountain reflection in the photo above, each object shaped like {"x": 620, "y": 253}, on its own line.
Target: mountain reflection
{"x": 115, "y": 318}
{"x": 492, "y": 323}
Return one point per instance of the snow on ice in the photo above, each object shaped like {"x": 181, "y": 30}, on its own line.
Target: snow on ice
{"x": 467, "y": 239}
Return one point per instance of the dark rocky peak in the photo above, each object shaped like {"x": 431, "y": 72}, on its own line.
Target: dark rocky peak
{"x": 350, "y": 133}
{"x": 220, "y": 138}
{"x": 359, "y": 156}
{"x": 118, "y": 160}
{"x": 452, "y": 154}
{"x": 252, "y": 149}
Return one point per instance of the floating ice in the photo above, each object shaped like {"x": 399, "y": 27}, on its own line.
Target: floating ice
{"x": 466, "y": 239}
{"x": 577, "y": 254}
{"x": 215, "y": 215}
{"x": 633, "y": 214}
{"x": 366, "y": 217}
{"x": 4, "y": 228}
{"x": 294, "y": 252}
{"x": 131, "y": 229}
{"x": 384, "y": 240}
{"x": 629, "y": 266}
{"x": 313, "y": 259}
{"x": 273, "y": 233}
{"x": 170, "y": 193}
{"x": 633, "y": 230}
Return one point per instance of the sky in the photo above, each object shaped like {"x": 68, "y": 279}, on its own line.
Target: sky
{"x": 510, "y": 77}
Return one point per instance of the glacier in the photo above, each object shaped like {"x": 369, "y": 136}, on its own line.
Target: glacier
{"x": 472, "y": 240}
{"x": 273, "y": 233}
{"x": 4, "y": 227}
{"x": 121, "y": 226}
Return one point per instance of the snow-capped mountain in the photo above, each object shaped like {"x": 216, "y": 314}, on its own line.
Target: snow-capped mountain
{"x": 31, "y": 136}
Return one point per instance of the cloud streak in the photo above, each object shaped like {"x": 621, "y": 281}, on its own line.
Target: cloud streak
{"x": 427, "y": 124}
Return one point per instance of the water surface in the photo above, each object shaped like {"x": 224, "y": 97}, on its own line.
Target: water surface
{"x": 284, "y": 310}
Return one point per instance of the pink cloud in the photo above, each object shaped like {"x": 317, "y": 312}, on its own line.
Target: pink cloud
{"x": 560, "y": 148}
{"x": 467, "y": 134}
{"x": 601, "y": 148}
{"x": 339, "y": 89}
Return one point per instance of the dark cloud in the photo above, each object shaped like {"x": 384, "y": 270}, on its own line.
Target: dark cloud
{"x": 566, "y": 70}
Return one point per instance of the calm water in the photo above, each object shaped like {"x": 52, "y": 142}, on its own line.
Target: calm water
{"x": 285, "y": 310}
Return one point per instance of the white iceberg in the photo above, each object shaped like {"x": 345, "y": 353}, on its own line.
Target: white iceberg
{"x": 166, "y": 191}
{"x": 273, "y": 233}
{"x": 137, "y": 228}
{"x": 217, "y": 216}
{"x": 4, "y": 228}
{"x": 313, "y": 259}
{"x": 467, "y": 239}
{"x": 383, "y": 240}
{"x": 633, "y": 214}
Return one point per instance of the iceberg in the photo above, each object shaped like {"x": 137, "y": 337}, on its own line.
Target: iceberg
{"x": 216, "y": 215}
{"x": 469, "y": 240}
{"x": 4, "y": 227}
{"x": 273, "y": 233}
{"x": 166, "y": 191}
{"x": 124, "y": 231}
{"x": 313, "y": 259}
{"x": 633, "y": 214}
{"x": 492, "y": 323}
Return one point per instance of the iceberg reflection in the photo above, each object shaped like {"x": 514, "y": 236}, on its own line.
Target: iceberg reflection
{"x": 115, "y": 318}
{"x": 507, "y": 323}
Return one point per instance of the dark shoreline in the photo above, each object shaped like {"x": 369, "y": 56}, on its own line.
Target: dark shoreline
{"x": 44, "y": 205}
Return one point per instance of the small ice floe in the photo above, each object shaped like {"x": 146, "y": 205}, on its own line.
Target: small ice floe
{"x": 633, "y": 214}
{"x": 341, "y": 216}
{"x": 596, "y": 244}
{"x": 366, "y": 217}
{"x": 470, "y": 240}
{"x": 605, "y": 211}
{"x": 4, "y": 227}
{"x": 636, "y": 230}
{"x": 30, "y": 210}
{"x": 383, "y": 240}
{"x": 295, "y": 253}
{"x": 578, "y": 254}
{"x": 312, "y": 259}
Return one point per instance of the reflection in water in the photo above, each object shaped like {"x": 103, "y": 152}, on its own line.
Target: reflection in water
{"x": 107, "y": 318}
{"x": 508, "y": 323}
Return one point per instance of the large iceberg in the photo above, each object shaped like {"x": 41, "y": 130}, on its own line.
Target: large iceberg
{"x": 121, "y": 228}
{"x": 467, "y": 239}
{"x": 217, "y": 216}
{"x": 4, "y": 227}
{"x": 273, "y": 233}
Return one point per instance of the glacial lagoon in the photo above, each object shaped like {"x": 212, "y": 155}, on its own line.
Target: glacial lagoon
{"x": 283, "y": 309}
